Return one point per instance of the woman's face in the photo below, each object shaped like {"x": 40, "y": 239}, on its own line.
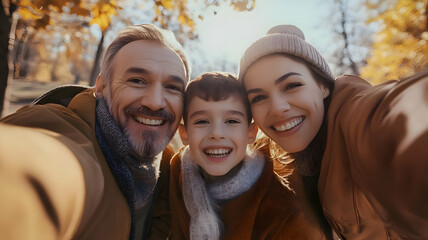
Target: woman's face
{"x": 286, "y": 101}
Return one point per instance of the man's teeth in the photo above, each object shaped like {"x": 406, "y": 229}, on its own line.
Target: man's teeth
{"x": 289, "y": 125}
{"x": 219, "y": 152}
{"x": 148, "y": 121}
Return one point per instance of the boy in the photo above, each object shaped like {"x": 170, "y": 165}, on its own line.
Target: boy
{"x": 219, "y": 189}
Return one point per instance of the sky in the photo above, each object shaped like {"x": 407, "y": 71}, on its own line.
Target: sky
{"x": 226, "y": 35}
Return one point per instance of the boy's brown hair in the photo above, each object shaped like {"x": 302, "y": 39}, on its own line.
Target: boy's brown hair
{"x": 215, "y": 86}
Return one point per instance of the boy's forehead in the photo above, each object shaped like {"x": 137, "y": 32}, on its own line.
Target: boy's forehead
{"x": 230, "y": 103}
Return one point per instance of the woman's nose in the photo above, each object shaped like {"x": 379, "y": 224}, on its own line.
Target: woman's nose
{"x": 279, "y": 105}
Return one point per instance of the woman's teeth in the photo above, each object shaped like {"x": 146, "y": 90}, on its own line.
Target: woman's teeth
{"x": 288, "y": 125}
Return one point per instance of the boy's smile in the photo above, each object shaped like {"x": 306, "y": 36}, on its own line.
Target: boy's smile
{"x": 218, "y": 134}
{"x": 217, "y": 154}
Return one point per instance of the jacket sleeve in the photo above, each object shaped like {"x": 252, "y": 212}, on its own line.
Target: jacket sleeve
{"x": 298, "y": 227}
{"x": 386, "y": 132}
{"x": 42, "y": 189}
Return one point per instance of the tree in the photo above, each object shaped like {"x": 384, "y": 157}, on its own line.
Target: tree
{"x": 6, "y": 12}
{"x": 344, "y": 15}
{"x": 400, "y": 48}
{"x": 41, "y": 14}
{"x": 172, "y": 14}
{"x": 38, "y": 14}
{"x": 352, "y": 37}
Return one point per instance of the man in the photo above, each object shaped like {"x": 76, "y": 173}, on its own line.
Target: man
{"x": 85, "y": 163}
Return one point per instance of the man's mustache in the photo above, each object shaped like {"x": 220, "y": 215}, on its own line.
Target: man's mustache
{"x": 148, "y": 112}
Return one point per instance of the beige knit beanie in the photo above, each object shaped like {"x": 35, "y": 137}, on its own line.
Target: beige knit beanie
{"x": 284, "y": 39}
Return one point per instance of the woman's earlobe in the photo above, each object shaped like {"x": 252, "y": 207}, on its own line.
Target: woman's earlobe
{"x": 326, "y": 92}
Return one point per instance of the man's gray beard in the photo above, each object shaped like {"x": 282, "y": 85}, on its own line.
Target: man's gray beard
{"x": 147, "y": 146}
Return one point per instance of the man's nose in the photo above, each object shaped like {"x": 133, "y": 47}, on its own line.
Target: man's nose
{"x": 154, "y": 97}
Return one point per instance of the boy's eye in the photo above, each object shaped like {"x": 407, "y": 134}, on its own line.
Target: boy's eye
{"x": 199, "y": 122}
{"x": 293, "y": 85}
{"x": 233, "y": 121}
{"x": 257, "y": 98}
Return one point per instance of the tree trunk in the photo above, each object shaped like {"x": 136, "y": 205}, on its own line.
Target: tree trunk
{"x": 426, "y": 16}
{"x": 6, "y": 20}
{"x": 96, "y": 67}
{"x": 345, "y": 36}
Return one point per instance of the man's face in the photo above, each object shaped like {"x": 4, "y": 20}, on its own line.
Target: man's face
{"x": 145, "y": 95}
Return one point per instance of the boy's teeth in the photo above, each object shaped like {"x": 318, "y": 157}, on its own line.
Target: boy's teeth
{"x": 218, "y": 151}
{"x": 148, "y": 121}
{"x": 288, "y": 125}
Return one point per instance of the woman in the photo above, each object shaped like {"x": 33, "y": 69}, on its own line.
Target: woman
{"x": 366, "y": 147}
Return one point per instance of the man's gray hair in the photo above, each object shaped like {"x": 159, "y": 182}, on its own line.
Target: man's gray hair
{"x": 141, "y": 32}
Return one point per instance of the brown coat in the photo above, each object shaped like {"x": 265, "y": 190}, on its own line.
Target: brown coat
{"x": 267, "y": 211}
{"x": 62, "y": 185}
{"x": 373, "y": 182}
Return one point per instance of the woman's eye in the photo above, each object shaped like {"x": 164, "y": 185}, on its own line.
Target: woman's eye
{"x": 257, "y": 99}
{"x": 293, "y": 85}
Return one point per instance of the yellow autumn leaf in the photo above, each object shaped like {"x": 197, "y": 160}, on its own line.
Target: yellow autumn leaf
{"x": 100, "y": 21}
{"x": 399, "y": 49}
{"x": 181, "y": 19}
{"x": 26, "y": 14}
{"x": 190, "y": 23}
{"x": 105, "y": 8}
{"x": 167, "y": 4}
{"x": 102, "y": 14}
{"x": 95, "y": 11}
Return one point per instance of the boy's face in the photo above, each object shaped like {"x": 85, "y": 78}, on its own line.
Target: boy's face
{"x": 217, "y": 134}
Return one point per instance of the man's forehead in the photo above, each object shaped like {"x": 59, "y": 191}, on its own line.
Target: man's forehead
{"x": 149, "y": 49}
{"x": 145, "y": 53}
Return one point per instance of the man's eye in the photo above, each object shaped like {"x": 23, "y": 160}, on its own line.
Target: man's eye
{"x": 199, "y": 122}
{"x": 175, "y": 88}
{"x": 137, "y": 81}
{"x": 257, "y": 98}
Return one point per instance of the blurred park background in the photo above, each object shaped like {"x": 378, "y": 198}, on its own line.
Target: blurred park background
{"x": 46, "y": 43}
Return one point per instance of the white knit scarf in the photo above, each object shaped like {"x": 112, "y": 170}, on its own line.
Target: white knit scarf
{"x": 200, "y": 197}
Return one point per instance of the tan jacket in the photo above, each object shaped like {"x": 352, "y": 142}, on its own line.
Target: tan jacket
{"x": 55, "y": 182}
{"x": 268, "y": 210}
{"x": 374, "y": 175}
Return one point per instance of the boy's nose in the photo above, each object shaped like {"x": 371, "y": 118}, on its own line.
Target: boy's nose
{"x": 216, "y": 132}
